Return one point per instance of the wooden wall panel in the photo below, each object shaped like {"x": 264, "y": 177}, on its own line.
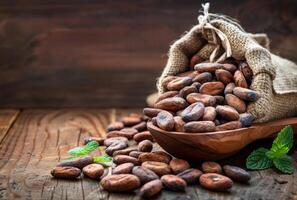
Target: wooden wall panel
{"x": 109, "y": 53}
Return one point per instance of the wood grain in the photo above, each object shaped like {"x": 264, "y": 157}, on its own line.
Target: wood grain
{"x": 109, "y": 53}
{"x": 7, "y": 118}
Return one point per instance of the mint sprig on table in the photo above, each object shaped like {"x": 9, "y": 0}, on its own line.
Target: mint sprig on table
{"x": 263, "y": 158}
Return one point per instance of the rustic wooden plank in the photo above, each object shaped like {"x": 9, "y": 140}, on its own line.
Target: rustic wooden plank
{"x": 7, "y": 118}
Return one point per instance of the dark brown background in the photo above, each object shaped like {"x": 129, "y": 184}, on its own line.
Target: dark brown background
{"x": 58, "y": 53}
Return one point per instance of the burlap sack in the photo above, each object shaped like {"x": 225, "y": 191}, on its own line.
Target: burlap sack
{"x": 218, "y": 37}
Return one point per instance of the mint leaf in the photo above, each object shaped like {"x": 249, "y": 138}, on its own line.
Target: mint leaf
{"x": 100, "y": 159}
{"x": 284, "y": 164}
{"x": 282, "y": 143}
{"x": 81, "y": 151}
{"x": 258, "y": 160}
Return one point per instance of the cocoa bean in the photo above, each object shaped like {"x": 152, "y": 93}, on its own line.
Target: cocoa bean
{"x": 236, "y": 173}
{"x": 203, "y": 78}
{"x": 145, "y": 175}
{"x": 212, "y": 88}
{"x": 207, "y": 100}
{"x": 229, "y": 126}
{"x": 115, "y": 147}
{"x": 110, "y": 141}
{"x": 115, "y": 126}
{"x": 159, "y": 168}
{"x": 150, "y": 189}
{"x": 195, "y": 60}
{"x": 187, "y": 90}
{"x": 120, "y": 159}
{"x": 200, "y": 127}
{"x": 166, "y": 95}
{"x": 229, "y": 67}
{"x": 125, "y": 151}
{"x": 208, "y": 67}
{"x": 197, "y": 85}
{"x": 93, "y": 171}
{"x": 66, "y": 172}
{"x": 246, "y": 119}
{"x": 79, "y": 162}
{"x": 211, "y": 167}
{"x": 190, "y": 175}
{"x": 179, "y": 83}
{"x": 173, "y": 183}
{"x": 220, "y": 100}
{"x": 145, "y": 146}
{"x": 229, "y": 88}
{"x": 193, "y": 112}
{"x": 217, "y": 182}
{"x": 190, "y": 74}
{"x": 99, "y": 140}
{"x": 239, "y": 79}
{"x": 178, "y": 165}
{"x": 209, "y": 114}
{"x": 125, "y": 168}
{"x": 151, "y": 112}
{"x": 120, "y": 183}
{"x": 130, "y": 121}
{"x": 166, "y": 80}
{"x": 179, "y": 124}
{"x": 165, "y": 121}
{"x": 120, "y": 133}
{"x": 130, "y": 131}
{"x": 135, "y": 154}
{"x": 159, "y": 156}
{"x": 235, "y": 102}
{"x": 145, "y": 135}
{"x": 171, "y": 104}
{"x": 246, "y": 94}
{"x": 224, "y": 76}
{"x": 227, "y": 112}
{"x": 140, "y": 127}
{"x": 246, "y": 71}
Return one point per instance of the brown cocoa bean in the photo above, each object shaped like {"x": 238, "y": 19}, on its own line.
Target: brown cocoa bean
{"x": 173, "y": 183}
{"x": 179, "y": 83}
{"x": 130, "y": 121}
{"x": 159, "y": 156}
{"x": 207, "y": 100}
{"x": 130, "y": 131}
{"x": 115, "y": 126}
{"x": 193, "y": 112}
{"x": 165, "y": 121}
{"x": 125, "y": 151}
{"x": 120, "y": 183}
{"x": 246, "y": 94}
{"x": 66, "y": 172}
{"x": 145, "y": 135}
{"x": 197, "y": 85}
{"x": 229, "y": 126}
{"x": 217, "y": 182}
{"x": 120, "y": 133}
{"x": 151, "y": 112}
{"x": 178, "y": 165}
{"x": 135, "y": 154}
{"x": 179, "y": 124}
{"x": 150, "y": 189}
{"x": 239, "y": 79}
{"x": 200, "y": 127}
{"x": 99, "y": 140}
{"x": 166, "y": 95}
{"x": 236, "y": 173}
{"x": 246, "y": 71}
{"x": 145, "y": 146}
{"x": 187, "y": 90}
{"x": 195, "y": 60}
{"x": 145, "y": 175}
{"x": 160, "y": 168}
{"x": 190, "y": 175}
{"x": 120, "y": 159}
{"x": 93, "y": 171}
{"x": 227, "y": 113}
{"x": 211, "y": 167}
{"x": 224, "y": 76}
{"x": 110, "y": 141}
{"x": 125, "y": 168}
{"x": 203, "y": 78}
{"x": 190, "y": 74}
{"x": 236, "y": 103}
{"x": 171, "y": 104}
{"x": 246, "y": 119}
{"x": 220, "y": 100}
{"x": 166, "y": 80}
{"x": 140, "y": 126}
{"x": 79, "y": 162}
{"x": 229, "y": 67}
{"x": 208, "y": 67}
{"x": 212, "y": 88}
{"x": 209, "y": 114}
{"x": 229, "y": 88}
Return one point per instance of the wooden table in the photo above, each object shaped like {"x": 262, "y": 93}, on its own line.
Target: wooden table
{"x": 33, "y": 141}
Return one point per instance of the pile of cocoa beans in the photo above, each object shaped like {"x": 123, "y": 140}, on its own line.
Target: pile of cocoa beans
{"x": 138, "y": 163}
{"x": 212, "y": 97}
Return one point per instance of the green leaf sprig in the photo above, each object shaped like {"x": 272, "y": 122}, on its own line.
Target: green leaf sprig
{"x": 84, "y": 150}
{"x": 263, "y": 158}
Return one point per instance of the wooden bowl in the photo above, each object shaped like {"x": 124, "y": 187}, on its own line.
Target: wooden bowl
{"x": 215, "y": 145}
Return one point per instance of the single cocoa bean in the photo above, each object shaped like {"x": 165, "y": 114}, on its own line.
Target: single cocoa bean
{"x": 66, "y": 172}
{"x": 229, "y": 126}
{"x": 224, "y": 76}
{"x": 166, "y": 80}
{"x": 93, "y": 171}
{"x": 246, "y": 71}
{"x": 135, "y": 154}
{"x": 125, "y": 168}
{"x": 99, "y": 140}
{"x": 203, "y": 78}
{"x": 145, "y": 146}
{"x": 165, "y": 121}
{"x": 171, "y": 104}
{"x": 208, "y": 67}
{"x": 237, "y": 173}
{"x": 159, "y": 156}
{"x": 79, "y": 162}
{"x": 159, "y": 168}
{"x": 130, "y": 121}
{"x": 173, "y": 183}
{"x": 229, "y": 88}
{"x": 150, "y": 189}
{"x": 193, "y": 112}
{"x": 166, "y": 95}
{"x": 212, "y": 88}
{"x": 140, "y": 127}
{"x": 229, "y": 67}
{"x": 190, "y": 175}
{"x": 187, "y": 90}
{"x": 179, "y": 124}
{"x": 195, "y": 60}
{"x": 239, "y": 79}
{"x": 145, "y": 175}
{"x": 179, "y": 165}
{"x": 120, "y": 159}
{"x": 217, "y": 182}
{"x": 130, "y": 131}
{"x": 200, "y": 127}
{"x": 145, "y": 135}
{"x": 236, "y": 103}
{"x": 227, "y": 112}
{"x": 207, "y": 100}
{"x": 209, "y": 114}
{"x": 125, "y": 151}
{"x": 246, "y": 94}
{"x": 110, "y": 141}
{"x": 190, "y": 74}
{"x": 120, "y": 133}
{"x": 120, "y": 183}
{"x": 179, "y": 83}
{"x": 211, "y": 167}
{"x": 115, "y": 126}
{"x": 246, "y": 119}
{"x": 151, "y": 112}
